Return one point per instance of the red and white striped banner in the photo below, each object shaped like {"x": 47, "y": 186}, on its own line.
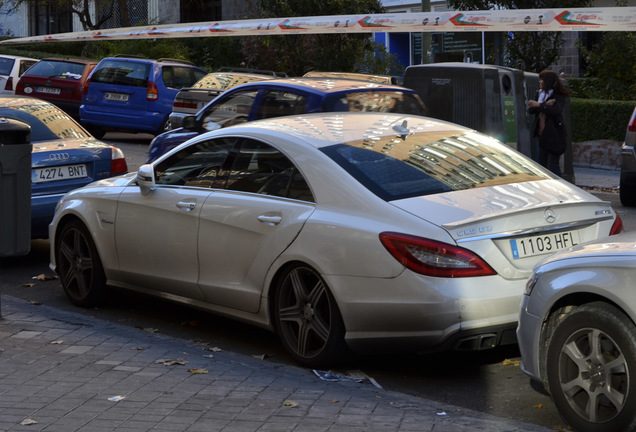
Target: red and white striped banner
{"x": 583, "y": 19}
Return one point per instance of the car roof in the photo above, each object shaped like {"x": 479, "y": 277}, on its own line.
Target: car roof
{"x": 328, "y": 128}
{"x": 70, "y": 60}
{"x": 327, "y": 85}
{"x": 17, "y": 57}
{"x": 134, "y": 58}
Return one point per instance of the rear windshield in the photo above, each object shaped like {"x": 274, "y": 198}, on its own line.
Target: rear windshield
{"x": 122, "y": 73}
{"x": 376, "y": 101}
{"x": 57, "y": 69}
{"x": 47, "y": 121}
{"x": 430, "y": 163}
{"x": 6, "y": 64}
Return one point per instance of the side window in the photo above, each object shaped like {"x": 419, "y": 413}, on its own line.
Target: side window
{"x": 197, "y": 165}
{"x": 259, "y": 168}
{"x": 25, "y": 65}
{"x": 178, "y": 77}
{"x": 277, "y": 103}
{"x": 233, "y": 109}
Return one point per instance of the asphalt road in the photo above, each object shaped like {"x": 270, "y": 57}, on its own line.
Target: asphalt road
{"x": 490, "y": 381}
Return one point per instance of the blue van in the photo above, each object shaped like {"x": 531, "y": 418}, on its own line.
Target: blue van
{"x": 134, "y": 94}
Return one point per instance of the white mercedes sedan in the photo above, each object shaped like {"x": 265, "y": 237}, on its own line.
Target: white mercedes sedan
{"x": 339, "y": 231}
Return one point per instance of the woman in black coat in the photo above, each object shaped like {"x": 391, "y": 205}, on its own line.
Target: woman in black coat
{"x": 548, "y": 125}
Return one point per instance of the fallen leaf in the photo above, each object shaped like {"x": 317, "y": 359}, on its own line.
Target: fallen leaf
{"x": 508, "y": 362}
{"x": 539, "y": 406}
{"x": 138, "y": 348}
{"x": 260, "y": 356}
{"x": 209, "y": 356}
{"x": 201, "y": 342}
{"x": 335, "y": 401}
{"x": 148, "y": 329}
{"x": 42, "y": 277}
{"x": 198, "y": 371}
{"x": 28, "y": 285}
{"x": 171, "y": 362}
{"x": 27, "y": 422}
{"x": 192, "y": 323}
{"x": 57, "y": 342}
{"x": 35, "y": 303}
{"x": 290, "y": 403}
{"x": 214, "y": 349}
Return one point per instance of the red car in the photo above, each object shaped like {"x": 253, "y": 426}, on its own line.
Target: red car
{"x": 57, "y": 80}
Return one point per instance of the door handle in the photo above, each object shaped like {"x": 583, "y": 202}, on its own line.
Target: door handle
{"x": 270, "y": 220}
{"x": 187, "y": 206}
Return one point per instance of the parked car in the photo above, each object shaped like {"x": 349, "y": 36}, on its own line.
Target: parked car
{"x": 57, "y": 80}
{"x": 577, "y": 334}
{"x": 190, "y": 100}
{"x": 627, "y": 184}
{"x": 64, "y": 156}
{"x": 134, "y": 94}
{"x": 11, "y": 68}
{"x": 280, "y": 97}
{"x": 361, "y": 231}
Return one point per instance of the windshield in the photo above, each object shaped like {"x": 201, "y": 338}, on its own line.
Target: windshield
{"x": 431, "y": 163}
{"x": 376, "y": 101}
{"x": 57, "y": 69}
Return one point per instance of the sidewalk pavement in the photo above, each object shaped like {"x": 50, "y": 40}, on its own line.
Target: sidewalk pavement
{"x": 596, "y": 177}
{"x": 64, "y": 372}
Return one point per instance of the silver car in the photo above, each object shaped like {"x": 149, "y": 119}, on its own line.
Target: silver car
{"x": 577, "y": 335}
{"x": 362, "y": 231}
{"x": 628, "y": 165}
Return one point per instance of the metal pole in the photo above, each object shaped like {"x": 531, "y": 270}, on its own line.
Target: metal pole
{"x": 426, "y": 36}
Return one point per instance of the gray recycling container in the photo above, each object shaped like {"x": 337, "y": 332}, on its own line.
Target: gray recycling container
{"x": 488, "y": 98}
{"x": 15, "y": 187}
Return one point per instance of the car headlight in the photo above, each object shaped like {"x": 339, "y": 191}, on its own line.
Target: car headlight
{"x": 531, "y": 283}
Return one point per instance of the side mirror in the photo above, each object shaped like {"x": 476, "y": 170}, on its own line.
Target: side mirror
{"x": 189, "y": 122}
{"x": 146, "y": 179}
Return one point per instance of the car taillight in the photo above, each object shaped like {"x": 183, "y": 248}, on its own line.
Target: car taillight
{"x": 184, "y": 103}
{"x": 9, "y": 84}
{"x": 433, "y": 258}
{"x": 152, "y": 94}
{"x": 117, "y": 161}
{"x": 85, "y": 88}
{"x": 617, "y": 227}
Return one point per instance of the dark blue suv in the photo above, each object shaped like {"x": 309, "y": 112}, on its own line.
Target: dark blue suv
{"x": 134, "y": 94}
{"x": 289, "y": 96}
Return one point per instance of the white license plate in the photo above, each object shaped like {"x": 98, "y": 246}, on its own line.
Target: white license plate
{"x": 119, "y": 97}
{"x": 56, "y": 173}
{"x": 49, "y": 90}
{"x": 543, "y": 244}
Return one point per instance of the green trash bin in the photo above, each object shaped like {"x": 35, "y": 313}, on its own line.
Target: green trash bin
{"x": 15, "y": 187}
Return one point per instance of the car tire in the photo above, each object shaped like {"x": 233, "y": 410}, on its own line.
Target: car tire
{"x": 307, "y": 318}
{"x": 627, "y": 191}
{"x": 165, "y": 127}
{"x": 79, "y": 266}
{"x": 590, "y": 376}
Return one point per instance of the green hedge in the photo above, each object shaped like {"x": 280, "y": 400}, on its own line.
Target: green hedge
{"x": 595, "y": 119}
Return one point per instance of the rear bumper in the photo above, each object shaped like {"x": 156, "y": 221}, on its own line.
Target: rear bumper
{"x": 134, "y": 121}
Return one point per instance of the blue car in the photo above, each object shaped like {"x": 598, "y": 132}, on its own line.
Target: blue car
{"x": 289, "y": 96}
{"x": 134, "y": 94}
{"x": 64, "y": 157}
